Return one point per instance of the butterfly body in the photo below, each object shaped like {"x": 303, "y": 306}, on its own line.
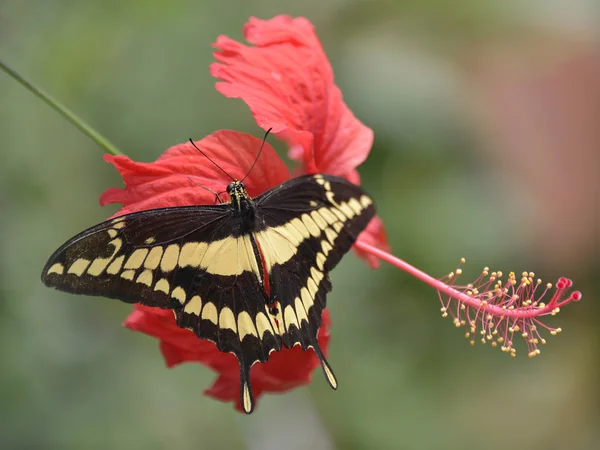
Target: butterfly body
{"x": 250, "y": 275}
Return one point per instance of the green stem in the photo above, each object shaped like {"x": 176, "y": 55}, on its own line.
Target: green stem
{"x": 63, "y": 110}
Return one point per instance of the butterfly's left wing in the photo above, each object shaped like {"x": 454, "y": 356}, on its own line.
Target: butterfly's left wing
{"x": 193, "y": 260}
{"x": 305, "y": 227}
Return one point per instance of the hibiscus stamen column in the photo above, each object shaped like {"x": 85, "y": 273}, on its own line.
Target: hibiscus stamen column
{"x": 497, "y": 310}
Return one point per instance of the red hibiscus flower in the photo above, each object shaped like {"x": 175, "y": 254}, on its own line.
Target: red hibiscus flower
{"x": 320, "y": 130}
{"x": 287, "y": 81}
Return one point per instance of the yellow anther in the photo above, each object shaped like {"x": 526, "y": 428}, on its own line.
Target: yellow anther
{"x": 445, "y": 315}
{"x": 472, "y": 342}
{"x": 543, "y": 341}
{"x": 494, "y": 344}
{"x": 467, "y": 335}
{"x": 517, "y": 328}
{"x": 549, "y": 285}
{"x": 458, "y": 271}
{"x": 531, "y": 274}
{"x": 463, "y": 307}
{"x": 463, "y": 260}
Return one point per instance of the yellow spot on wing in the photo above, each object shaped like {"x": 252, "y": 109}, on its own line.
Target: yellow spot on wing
{"x": 226, "y": 319}
{"x": 365, "y": 201}
{"x": 179, "y": 294}
{"x": 339, "y": 214}
{"x": 150, "y": 240}
{"x": 316, "y": 274}
{"x": 136, "y": 259}
{"x": 290, "y": 318}
{"x": 115, "y": 266}
{"x": 194, "y": 306}
{"x": 145, "y": 278}
{"x": 153, "y": 258}
{"x": 321, "y": 260}
{"x": 245, "y": 325}
{"x": 355, "y": 205}
{"x": 307, "y": 297}
{"x": 326, "y": 246}
{"x": 328, "y": 215}
{"x": 192, "y": 254}
{"x": 128, "y": 274}
{"x": 300, "y": 310}
{"x": 170, "y": 258}
{"x": 276, "y": 248}
{"x": 330, "y": 234}
{"x": 310, "y": 225}
{"x": 56, "y": 268}
{"x": 162, "y": 285}
{"x": 338, "y": 226}
{"x": 263, "y": 325}
{"x": 112, "y": 232}
{"x": 319, "y": 220}
{"x": 312, "y": 287}
{"x": 300, "y": 227}
{"x": 118, "y": 224}
{"x": 346, "y": 210}
{"x": 209, "y": 312}
{"x": 79, "y": 266}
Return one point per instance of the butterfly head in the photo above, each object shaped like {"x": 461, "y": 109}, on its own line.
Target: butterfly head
{"x": 241, "y": 201}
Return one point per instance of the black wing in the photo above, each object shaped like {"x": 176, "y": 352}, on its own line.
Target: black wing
{"x": 188, "y": 259}
{"x": 191, "y": 260}
{"x": 309, "y": 223}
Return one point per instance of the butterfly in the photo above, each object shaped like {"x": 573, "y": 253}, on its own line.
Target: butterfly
{"x": 249, "y": 275}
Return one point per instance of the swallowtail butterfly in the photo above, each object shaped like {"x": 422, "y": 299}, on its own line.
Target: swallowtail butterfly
{"x": 249, "y": 275}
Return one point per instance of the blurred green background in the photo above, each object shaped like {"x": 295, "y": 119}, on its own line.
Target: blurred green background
{"x": 486, "y": 117}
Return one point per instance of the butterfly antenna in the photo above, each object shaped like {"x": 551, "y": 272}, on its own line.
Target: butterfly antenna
{"x": 207, "y": 157}
{"x": 259, "y": 152}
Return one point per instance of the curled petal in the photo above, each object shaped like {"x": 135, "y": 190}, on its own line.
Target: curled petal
{"x": 182, "y": 175}
{"x": 287, "y": 81}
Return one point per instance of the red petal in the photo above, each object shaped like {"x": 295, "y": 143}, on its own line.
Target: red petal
{"x": 175, "y": 177}
{"x": 285, "y": 370}
{"x": 287, "y": 82}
